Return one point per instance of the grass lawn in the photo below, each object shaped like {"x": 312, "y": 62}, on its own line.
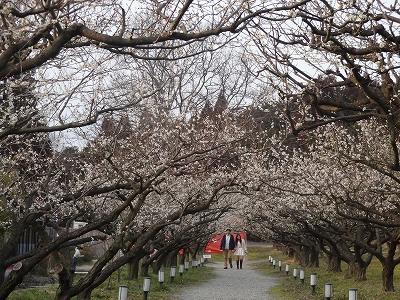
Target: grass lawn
{"x": 110, "y": 288}
{"x": 293, "y": 289}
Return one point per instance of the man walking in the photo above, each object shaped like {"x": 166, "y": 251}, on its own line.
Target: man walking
{"x": 227, "y": 245}
{"x": 77, "y": 254}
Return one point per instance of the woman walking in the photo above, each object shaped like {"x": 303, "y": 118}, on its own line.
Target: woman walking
{"x": 241, "y": 250}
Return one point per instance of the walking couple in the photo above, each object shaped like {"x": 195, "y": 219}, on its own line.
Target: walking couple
{"x": 229, "y": 243}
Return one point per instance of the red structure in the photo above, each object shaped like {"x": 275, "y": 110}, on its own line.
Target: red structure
{"x": 213, "y": 244}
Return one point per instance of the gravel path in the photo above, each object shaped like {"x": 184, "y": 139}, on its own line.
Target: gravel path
{"x": 232, "y": 284}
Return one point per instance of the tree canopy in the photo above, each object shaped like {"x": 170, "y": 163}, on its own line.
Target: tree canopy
{"x": 183, "y": 111}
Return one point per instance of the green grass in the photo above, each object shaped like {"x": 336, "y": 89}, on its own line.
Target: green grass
{"x": 109, "y": 289}
{"x": 291, "y": 289}
{"x": 288, "y": 289}
{"x": 47, "y": 292}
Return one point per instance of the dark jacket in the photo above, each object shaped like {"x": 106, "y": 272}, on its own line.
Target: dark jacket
{"x": 231, "y": 243}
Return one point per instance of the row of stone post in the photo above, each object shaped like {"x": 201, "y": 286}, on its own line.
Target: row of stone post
{"x": 328, "y": 289}
{"x": 123, "y": 289}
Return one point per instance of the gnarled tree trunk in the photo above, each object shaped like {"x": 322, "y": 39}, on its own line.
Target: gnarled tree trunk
{"x": 334, "y": 263}
{"x": 358, "y": 271}
{"x": 134, "y": 269}
{"x": 387, "y": 276}
{"x": 314, "y": 257}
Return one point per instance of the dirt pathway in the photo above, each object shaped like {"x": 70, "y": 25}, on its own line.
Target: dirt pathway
{"x": 232, "y": 284}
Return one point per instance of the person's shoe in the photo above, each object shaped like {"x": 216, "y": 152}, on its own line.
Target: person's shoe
{"x": 225, "y": 267}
